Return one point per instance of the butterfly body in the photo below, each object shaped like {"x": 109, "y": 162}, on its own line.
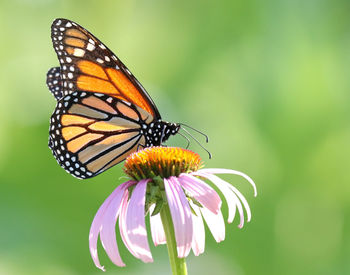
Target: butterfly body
{"x": 103, "y": 113}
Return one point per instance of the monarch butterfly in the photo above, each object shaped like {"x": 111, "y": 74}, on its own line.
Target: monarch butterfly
{"x": 103, "y": 113}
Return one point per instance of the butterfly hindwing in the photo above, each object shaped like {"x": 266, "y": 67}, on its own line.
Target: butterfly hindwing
{"x": 88, "y": 65}
{"x": 54, "y": 82}
{"x": 91, "y": 132}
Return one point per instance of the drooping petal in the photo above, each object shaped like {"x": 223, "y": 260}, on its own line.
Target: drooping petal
{"x": 95, "y": 230}
{"x": 107, "y": 232}
{"x": 216, "y": 180}
{"x": 201, "y": 191}
{"x": 97, "y": 224}
{"x": 135, "y": 222}
{"x": 181, "y": 216}
{"x": 230, "y": 171}
{"x": 157, "y": 230}
{"x": 242, "y": 198}
{"x": 198, "y": 242}
{"x": 122, "y": 223}
{"x": 230, "y": 196}
{"x": 215, "y": 223}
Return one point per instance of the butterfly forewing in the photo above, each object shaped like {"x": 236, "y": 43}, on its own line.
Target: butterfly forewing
{"x": 91, "y": 132}
{"x": 88, "y": 65}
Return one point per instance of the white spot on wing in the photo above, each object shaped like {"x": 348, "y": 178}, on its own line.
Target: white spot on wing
{"x": 78, "y": 52}
{"x": 90, "y": 47}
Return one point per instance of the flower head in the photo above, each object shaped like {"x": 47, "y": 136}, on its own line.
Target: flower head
{"x": 165, "y": 176}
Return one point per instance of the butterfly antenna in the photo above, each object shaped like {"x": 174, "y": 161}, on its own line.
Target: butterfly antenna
{"x": 188, "y": 141}
{"x": 206, "y": 137}
{"x": 196, "y": 140}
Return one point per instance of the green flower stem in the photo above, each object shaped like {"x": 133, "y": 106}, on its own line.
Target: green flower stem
{"x": 178, "y": 265}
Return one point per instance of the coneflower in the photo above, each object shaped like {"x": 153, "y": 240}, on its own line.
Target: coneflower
{"x": 168, "y": 185}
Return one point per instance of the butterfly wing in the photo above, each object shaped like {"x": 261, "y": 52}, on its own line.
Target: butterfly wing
{"x": 54, "y": 82}
{"x": 92, "y": 132}
{"x": 88, "y": 65}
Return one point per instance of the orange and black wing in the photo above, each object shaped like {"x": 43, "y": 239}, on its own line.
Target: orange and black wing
{"x": 87, "y": 65}
{"x": 54, "y": 82}
{"x": 91, "y": 132}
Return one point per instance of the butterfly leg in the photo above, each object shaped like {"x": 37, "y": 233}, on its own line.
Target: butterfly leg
{"x": 140, "y": 145}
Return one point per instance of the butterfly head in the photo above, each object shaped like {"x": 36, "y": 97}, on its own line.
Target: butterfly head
{"x": 169, "y": 129}
{"x": 158, "y": 132}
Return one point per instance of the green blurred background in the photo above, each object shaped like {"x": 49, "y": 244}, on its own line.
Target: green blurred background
{"x": 268, "y": 81}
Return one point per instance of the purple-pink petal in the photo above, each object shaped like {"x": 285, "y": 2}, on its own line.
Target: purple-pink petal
{"x": 216, "y": 180}
{"x": 201, "y": 191}
{"x": 215, "y": 223}
{"x": 135, "y": 222}
{"x": 230, "y": 196}
{"x": 157, "y": 230}
{"x": 230, "y": 171}
{"x": 97, "y": 223}
{"x": 181, "y": 216}
{"x": 107, "y": 232}
{"x": 198, "y": 242}
{"x": 242, "y": 198}
{"x": 122, "y": 224}
{"x": 94, "y": 232}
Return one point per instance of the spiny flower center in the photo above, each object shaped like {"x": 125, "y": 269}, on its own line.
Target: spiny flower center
{"x": 161, "y": 161}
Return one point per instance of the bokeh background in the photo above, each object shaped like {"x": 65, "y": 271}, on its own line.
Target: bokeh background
{"x": 268, "y": 81}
